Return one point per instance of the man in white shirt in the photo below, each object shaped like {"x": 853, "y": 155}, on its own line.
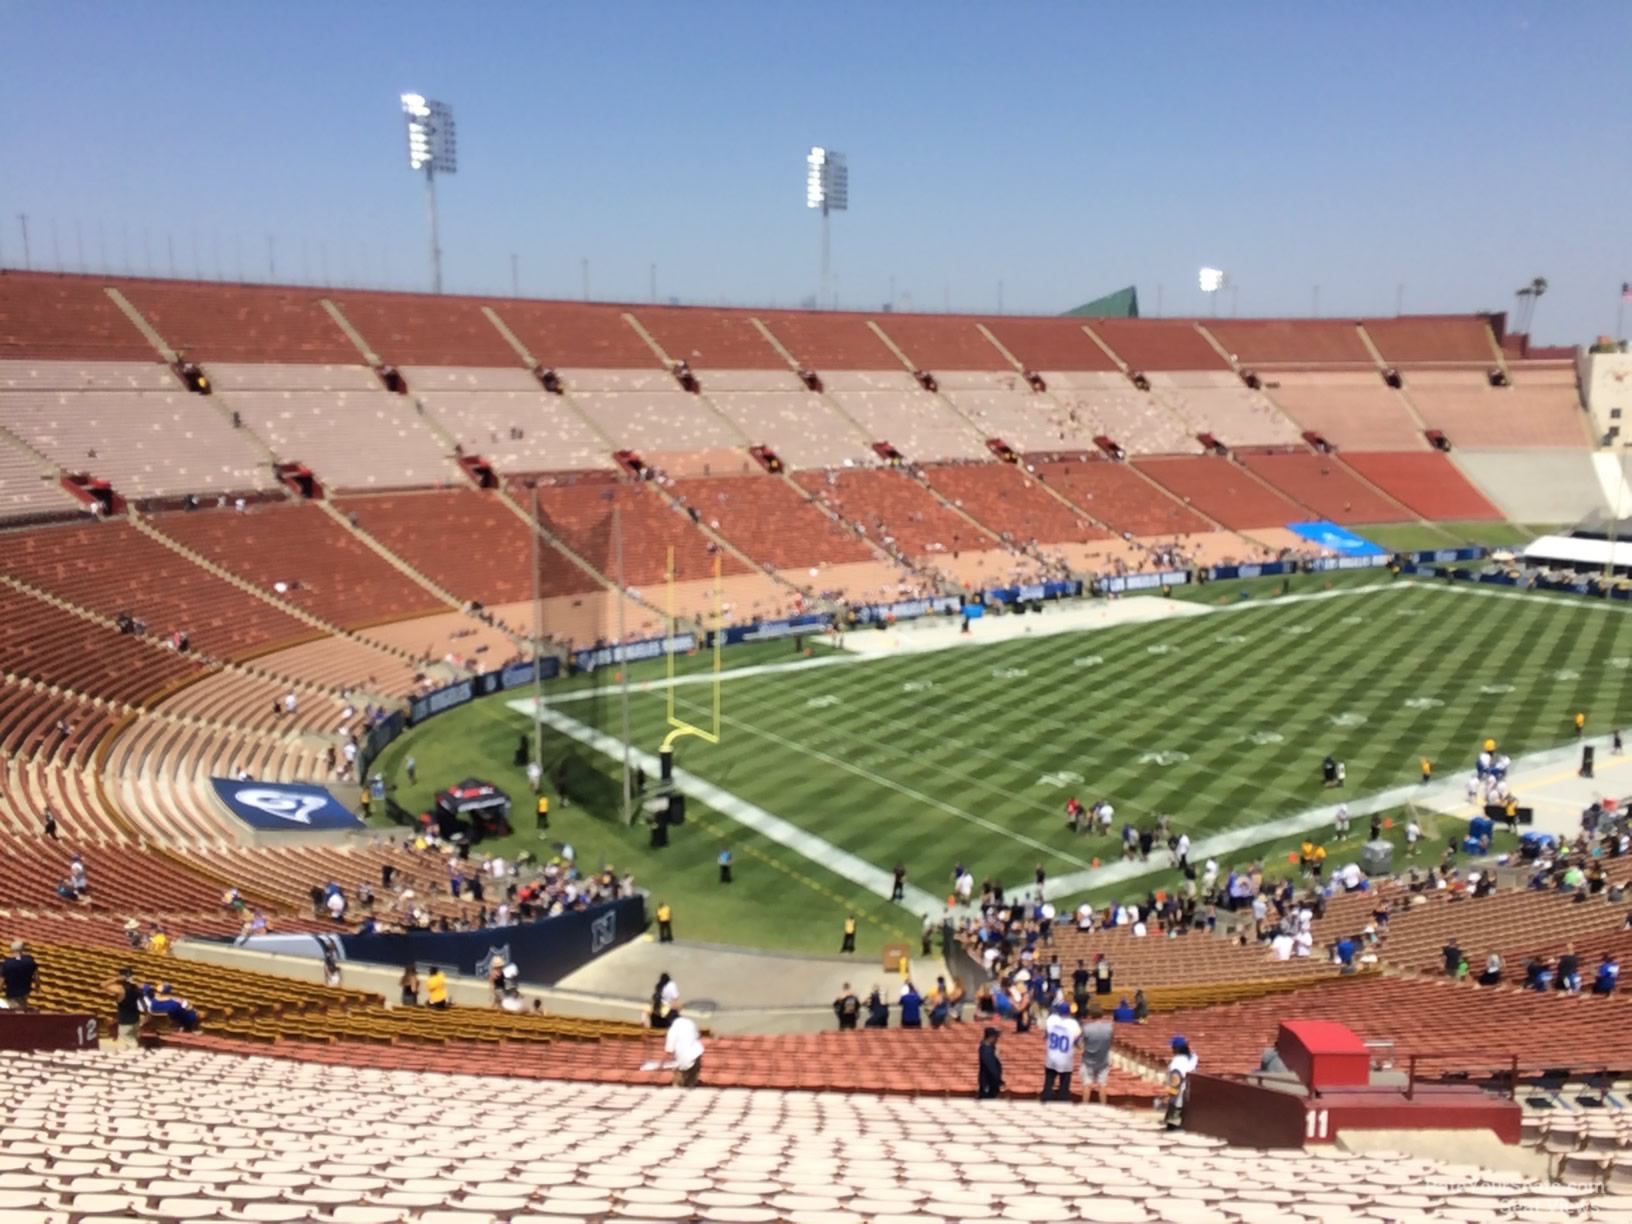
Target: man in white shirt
{"x": 1413, "y": 834}
{"x": 1179, "y": 1070}
{"x": 535, "y": 775}
{"x": 669, "y": 996}
{"x": 1061, "y": 1036}
{"x": 684, "y": 1047}
{"x": 1106, "y": 814}
{"x": 1281, "y": 947}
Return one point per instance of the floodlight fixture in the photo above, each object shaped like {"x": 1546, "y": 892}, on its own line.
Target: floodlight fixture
{"x": 827, "y": 187}
{"x": 432, "y": 147}
{"x": 1211, "y": 279}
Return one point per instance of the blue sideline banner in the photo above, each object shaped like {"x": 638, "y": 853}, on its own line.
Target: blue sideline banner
{"x": 374, "y": 743}
{"x": 1441, "y": 556}
{"x": 634, "y": 652}
{"x": 770, "y": 631}
{"x": 907, "y": 609}
{"x": 1141, "y": 582}
{"x": 1373, "y": 561}
{"x": 1333, "y": 538}
{"x": 1268, "y": 569}
{"x": 283, "y": 807}
{"x": 441, "y": 701}
{"x": 543, "y": 952}
{"x": 1033, "y": 592}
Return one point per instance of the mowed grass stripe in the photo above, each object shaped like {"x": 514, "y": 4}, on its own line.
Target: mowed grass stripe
{"x": 1054, "y": 718}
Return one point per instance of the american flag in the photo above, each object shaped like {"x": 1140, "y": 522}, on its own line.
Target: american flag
{"x": 1626, "y": 291}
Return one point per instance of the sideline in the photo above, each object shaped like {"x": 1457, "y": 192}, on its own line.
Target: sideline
{"x": 1446, "y": 796}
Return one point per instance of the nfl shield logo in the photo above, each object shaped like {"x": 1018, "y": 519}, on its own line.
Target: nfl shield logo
{"x": 602, "y": 932}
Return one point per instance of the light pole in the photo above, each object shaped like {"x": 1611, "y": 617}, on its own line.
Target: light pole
{"x": 827, "y": 187}
{"x": 431, "y": 148}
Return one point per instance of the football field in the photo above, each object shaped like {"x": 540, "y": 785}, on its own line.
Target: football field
{"x": 836, "y": 768}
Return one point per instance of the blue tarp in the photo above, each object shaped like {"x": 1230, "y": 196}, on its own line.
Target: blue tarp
{"x": 283, "y": 807}
{"x": 1334, "y": 538}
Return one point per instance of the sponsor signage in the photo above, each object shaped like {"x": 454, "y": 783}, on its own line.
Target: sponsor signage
{"x": 633, "y": 652}
{"x": 770, "y": 631}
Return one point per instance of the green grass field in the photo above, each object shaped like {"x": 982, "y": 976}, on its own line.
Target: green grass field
{"x": 1218, "y": 719}
{"x": 1409, "y": 536}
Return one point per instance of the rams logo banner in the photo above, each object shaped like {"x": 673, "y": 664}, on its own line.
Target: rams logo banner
{"x": 283, "y": 807}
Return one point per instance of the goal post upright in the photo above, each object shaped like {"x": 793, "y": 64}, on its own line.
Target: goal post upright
{"x": 679, "y": 727}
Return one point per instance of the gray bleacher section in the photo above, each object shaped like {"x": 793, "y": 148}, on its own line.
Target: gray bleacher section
{"x": 1536, "y": 486}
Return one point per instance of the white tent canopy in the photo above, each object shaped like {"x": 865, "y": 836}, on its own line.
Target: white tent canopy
{"x": 1575, "y": 551}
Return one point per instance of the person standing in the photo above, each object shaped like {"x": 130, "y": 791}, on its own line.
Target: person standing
{"x": 991, "y": 1066}
{"x": 127, "y": 1006}
{"x": 665, "y": 923}
{"x": 912, "y": 1007}
{"x": 19, "y": 973}
{"x": 685, "y": 1047}
{"x": 1102, "y": 975}
{"x": 411, "y": 768}
{"x": 1179, "y": 1070}
{"x": 436, "y": 989}
{"x": 1097, "y": 1033}
{"x": 1061, "y": 1035}
{"x": 849, "y": 944}
{"x": 51, "y": 820}
{"x": 926, "y": 941}
{"x": 725, "y": 864}
{"x": 409, "y": 985}
{"x": 898, "y": 890}
{"x": 878, "y": 1011}
{"x": 1079, "y": 987}
{"x": 847, "y": 1008}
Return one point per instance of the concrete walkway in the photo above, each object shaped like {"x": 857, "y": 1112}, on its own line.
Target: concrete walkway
{"x": 740, "y": 990}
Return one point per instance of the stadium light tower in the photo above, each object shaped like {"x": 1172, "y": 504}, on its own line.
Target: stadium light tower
{"x": 431, "y": 148}
{"x": 827, "y": 187}
{"x": 1211, "y": 281}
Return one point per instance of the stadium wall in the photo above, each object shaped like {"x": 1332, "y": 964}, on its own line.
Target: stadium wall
{"x": 1606, "y": 384}
{"x": 544, "y": 952}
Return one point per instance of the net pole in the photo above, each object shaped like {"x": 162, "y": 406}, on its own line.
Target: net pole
{"x": 538, "y": 637}
{"x": 719, "y": 636}
{"x": 623, "y": 672}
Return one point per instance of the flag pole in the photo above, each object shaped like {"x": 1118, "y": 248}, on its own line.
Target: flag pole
{"x": 1620, "y": 312}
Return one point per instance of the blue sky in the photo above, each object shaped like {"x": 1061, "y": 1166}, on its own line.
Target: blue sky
{"x": 1063, "y": 150}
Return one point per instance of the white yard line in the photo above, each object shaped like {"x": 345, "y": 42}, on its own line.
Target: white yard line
{"x": 818, "y": 850}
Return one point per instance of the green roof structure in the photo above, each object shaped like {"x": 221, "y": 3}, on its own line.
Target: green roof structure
{"x": 1123, "y": 304}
